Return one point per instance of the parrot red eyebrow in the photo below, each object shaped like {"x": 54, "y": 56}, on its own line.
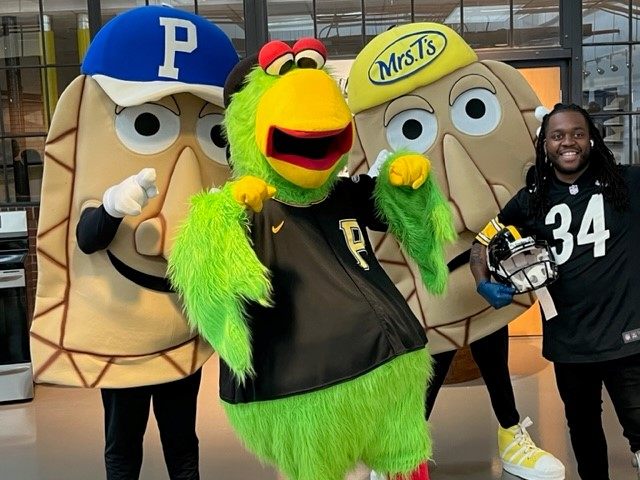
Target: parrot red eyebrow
{"x": 276, "y": 58}
{"x": 310, "y": 53}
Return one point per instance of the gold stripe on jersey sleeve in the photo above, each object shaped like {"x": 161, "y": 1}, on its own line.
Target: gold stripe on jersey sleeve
{"x": 487, "y": 233}
{"x": 514, "y": 231}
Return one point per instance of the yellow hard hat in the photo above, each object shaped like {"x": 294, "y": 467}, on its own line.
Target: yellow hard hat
{"x": 402, "y": 59}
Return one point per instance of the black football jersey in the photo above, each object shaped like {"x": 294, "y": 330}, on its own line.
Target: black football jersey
{"x": 597, "y": 294}
{"x": 336, "y": 313}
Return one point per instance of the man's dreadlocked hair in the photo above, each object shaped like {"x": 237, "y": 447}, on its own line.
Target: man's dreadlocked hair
{"x": 601, "y": 161}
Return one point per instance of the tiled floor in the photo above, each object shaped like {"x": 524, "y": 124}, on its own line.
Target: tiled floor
{"x": 58, "y": 436}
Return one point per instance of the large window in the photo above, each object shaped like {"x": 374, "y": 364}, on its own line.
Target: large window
{"x": 290, "y": 19}
{"x": 495, "y": 23}
{"x": 42, "y": 47}
{"x": 611, "y": 73}
{"x": 37, "y": 61}
{"x": 346, "y": 28}
{"x": 42, "y": 43}
{"x": 229, "y": 16}
{"x": 380, "y": 15}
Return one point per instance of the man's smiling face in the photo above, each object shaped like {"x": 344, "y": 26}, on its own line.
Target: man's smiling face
{"x": 567, "y": 144}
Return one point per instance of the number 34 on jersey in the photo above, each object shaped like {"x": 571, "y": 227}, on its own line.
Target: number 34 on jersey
{"x": 592, "y": 229}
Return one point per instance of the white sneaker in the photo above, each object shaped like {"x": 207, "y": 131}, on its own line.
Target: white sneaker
{"x": 521, "y": 457}
{"x": 636, "y": 462}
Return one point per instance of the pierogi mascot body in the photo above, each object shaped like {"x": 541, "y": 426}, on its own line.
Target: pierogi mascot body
{"x": 323, "y": 363}
{"x": 421, "y": 87}
{"x": 139, "y": 120}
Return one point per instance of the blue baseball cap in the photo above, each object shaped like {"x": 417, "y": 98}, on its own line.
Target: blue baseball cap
{"x": 150, "y": 52}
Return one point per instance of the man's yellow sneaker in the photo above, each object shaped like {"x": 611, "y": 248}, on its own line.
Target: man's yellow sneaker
{"x": 522, "y": 458}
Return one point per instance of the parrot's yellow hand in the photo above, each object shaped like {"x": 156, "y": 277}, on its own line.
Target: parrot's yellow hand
{"x": 252, "y": 192}
{"x": 409, "y": 170}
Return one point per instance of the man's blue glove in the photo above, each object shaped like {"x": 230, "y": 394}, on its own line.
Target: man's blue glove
{"x": 497, "y": 294}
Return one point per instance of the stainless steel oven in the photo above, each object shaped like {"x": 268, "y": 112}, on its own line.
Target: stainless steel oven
{"x": 16, "y": 378}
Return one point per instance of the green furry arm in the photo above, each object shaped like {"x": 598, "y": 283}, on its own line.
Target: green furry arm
{"x": 216, "y": 272}
{"x": 420, "y": 220}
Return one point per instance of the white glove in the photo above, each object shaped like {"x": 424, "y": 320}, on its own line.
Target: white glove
{"x": 539, "y": 113}
{"x": 131, "y": 195}
{"x": 374, "y": 171}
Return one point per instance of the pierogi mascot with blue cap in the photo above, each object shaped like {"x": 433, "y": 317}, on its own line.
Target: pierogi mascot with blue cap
{"x": 421, "y": 87}
{"x": 323, "y": 363}
{"x": 132, "y": 138}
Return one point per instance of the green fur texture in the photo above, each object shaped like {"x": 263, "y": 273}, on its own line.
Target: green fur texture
{"x": 377, "y": 418}
{"x": 421, "y": 221}
{"x": 215, "y": 270}
{"x": 246, "y": 158}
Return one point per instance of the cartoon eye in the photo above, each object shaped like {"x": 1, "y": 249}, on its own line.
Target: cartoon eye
{"x": 414, "y": 129}
{"x": 210, "y": 134}
{"x": 148, "y": 128}
{"x": 476, "y": 112}
{"x": 276, "y": 58}
{"x": 310, "y": 53}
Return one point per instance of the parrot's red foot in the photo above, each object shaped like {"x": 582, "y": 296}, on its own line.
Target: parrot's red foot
{"x": 420, "y": 473}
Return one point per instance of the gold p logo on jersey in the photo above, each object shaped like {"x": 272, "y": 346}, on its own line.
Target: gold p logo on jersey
{"x": 355, "y": 240}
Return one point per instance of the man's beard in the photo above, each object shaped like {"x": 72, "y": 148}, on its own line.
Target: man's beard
{"x": 581, "y": 165}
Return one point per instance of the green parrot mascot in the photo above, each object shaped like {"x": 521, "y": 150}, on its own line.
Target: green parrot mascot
{"x": 323, "y": 364}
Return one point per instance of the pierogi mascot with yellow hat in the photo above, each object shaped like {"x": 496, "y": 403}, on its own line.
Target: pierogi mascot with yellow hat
{"x": 132, "y": 137}
{"x": 323, "y": 363}
{"x": 420, "y": 87}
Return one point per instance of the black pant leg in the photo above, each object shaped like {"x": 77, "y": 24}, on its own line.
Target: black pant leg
{"x": 580, "y": 387}
{"x": 126, "y": 412}
{"x": 622, "y": 380}
{"x": 174, "y": 405}
{"x": 441, "y": 363}
{"x": 491, "y": 353}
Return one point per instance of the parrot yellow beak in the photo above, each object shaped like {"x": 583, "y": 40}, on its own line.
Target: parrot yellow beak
{"x": 304, "y": 127}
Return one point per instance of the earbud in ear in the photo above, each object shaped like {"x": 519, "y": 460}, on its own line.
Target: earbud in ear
{"x": 591, "y": 143}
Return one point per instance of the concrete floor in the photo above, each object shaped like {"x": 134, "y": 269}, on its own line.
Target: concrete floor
{"x": 59, "y": 434}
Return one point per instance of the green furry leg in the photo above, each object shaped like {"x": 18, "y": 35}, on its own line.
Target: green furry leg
{"x": 402, "y": 440}
{"x": 377, "y": 418}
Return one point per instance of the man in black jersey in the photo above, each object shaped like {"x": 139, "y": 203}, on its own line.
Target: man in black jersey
{"x": 579, "y": 201}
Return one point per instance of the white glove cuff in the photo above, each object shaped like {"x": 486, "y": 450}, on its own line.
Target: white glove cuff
{"x": 109, "y": 204}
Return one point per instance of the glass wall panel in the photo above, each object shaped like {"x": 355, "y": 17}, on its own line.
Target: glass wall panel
{"x": 65, "y": 36}
{"x": 605, "y": 84}
{"x": 635, "y": 147}
{"x": 380, "y": 15}
{"x": 290, "y": 20}
{"x": 339, "y": 26}
{"x": 536, "y": 23}
{"x": 28, "y": 114}
{"x": 605, "y": 21}
{"x": 110, "y": 8}
{"x": 486, "y": 23}
{"x": 635, "y": 20}
{"x": 188, "y": 5}
{"x": 635, "y": 77}
{"x": 440, "y": 11}
{"x": 229, "y": 16}
{"x": 21, "y": 169}
{"x": 615, "y": 131}
{"x": 68, "y": 26}
{"x": 21, "y": 97}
